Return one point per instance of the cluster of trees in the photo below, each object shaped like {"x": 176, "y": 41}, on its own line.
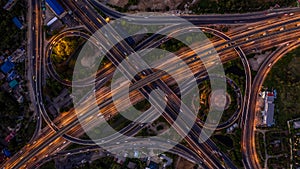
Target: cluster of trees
{"x": 9, "y": 112}
{"x": 53, "y": 88}
{"x": 234, "y": 153}
{"x": 279, "y": 162}
{"x": 65, "y": 48}
{"x": 260, "y": 147}
{"x": 11, "y": 36}
{"x": 172, "y": 45}
{"x": 232, "y": 105}
{"x": 237, "y": 6}
{"x": 142, "y": 105}
{"x": 235, "y": 71}
{"x": 23, "y": 135}
{"x": 65, "y": 55}
{"x": 273, "y": 149}
{"x": 110, "y": 163}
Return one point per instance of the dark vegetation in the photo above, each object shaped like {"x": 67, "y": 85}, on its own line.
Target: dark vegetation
{"x": 11, "y": 37}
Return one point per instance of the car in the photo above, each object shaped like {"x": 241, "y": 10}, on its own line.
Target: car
{"x": 34, "y": 158}
{"x": 269, "y": 64}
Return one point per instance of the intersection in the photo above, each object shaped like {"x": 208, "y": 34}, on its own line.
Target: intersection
{"x": 237, "y": 43}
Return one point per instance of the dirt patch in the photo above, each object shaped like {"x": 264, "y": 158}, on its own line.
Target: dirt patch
{"x": 151, "y": 5}
{"x": 183, "y": 163}
{"x": 119, "y": 3}
{"x": 257, "y": 61}
{"x": 159, "y": 5}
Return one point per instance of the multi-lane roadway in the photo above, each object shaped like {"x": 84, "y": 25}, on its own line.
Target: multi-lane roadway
{"x": 51, "y": 137}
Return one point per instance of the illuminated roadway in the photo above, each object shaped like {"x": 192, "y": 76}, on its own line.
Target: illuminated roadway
{"x": 107, "y": 72}
{"x": 109, "y": 68}
{"x": 199, "y": 19}
{"x": 116, "y": 57}
{"x": 33, "y": 50}
{"x": 250, "y": 158}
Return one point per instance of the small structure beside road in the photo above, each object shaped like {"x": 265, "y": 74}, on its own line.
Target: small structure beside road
{"x": 268, "y": 110}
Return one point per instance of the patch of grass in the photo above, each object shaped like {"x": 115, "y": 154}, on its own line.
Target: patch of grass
{"x": 280, "y": 162}
{"x": 260, "y": 147}
{"x": 48, "y": 165}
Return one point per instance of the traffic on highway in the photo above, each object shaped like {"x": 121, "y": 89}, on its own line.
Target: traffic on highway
{"x": 167, "y": 88}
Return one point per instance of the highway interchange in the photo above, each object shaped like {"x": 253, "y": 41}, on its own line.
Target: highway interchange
{"x": 49, "y": 140}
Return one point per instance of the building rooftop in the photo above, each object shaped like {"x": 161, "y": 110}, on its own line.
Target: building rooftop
{"x": 51, "y": 21}
{"x": 55, "y": 6}
{"x": 270, "y": 114}
{"x": 2, "y": 76}
{"x": 270, "y": 98}
{"x": 131, "y": 165}
{"x": 7, "y": 67}
{"x": 9, "y": 4}
{"x": 6, "y": 152}
{"x": 296, "y": 124}
{"x": 153, "y": 165}
{"x": 17, "y": 22}
{"x": 13, "y": 84}
{"x": 11, "y": 76}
